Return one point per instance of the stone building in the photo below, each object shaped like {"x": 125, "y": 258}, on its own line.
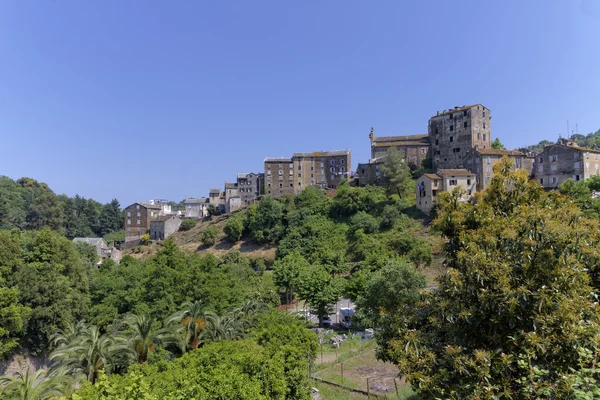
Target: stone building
{"x": 564, "y": 160}
{"x": 213, "y": 196}
{"x": 453, "y": 133}
{"x": 482, "y": 161}
{"x": 196, "y": 208}
{"x": 164, "y": 226}
{"x": 232, "y": 197}
{"x": 250, "y": 186}
{"x": 137, "y": 220}
{"x": 445, "y": 180}
{"x": 103, "y": 251}
{"x": 323, "y": 169}
{"x": 279, "y": 176}
{"x": 414, "y": 148}
{"x": 370, "y": 173}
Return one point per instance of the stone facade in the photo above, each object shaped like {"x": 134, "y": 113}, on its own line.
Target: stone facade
{"x": 565, "y": 160}
{"x": 250, "y": 186}
{"x": 279, "y": 176}
{"x": 445, "y": 180}
{"x": 231, "y": 191}
{"x": 414, "y": 148}
{"x": 213, "y": 196}
{"x": 137, "y": 220}
{"x": 482, "y": 161}
{"x": 196, "y": 208}
{"x": 164, "y": 226}
{"x": 453, "y": 133}
{"x": 369, "y": 173}
{"x": 323, "y": 169}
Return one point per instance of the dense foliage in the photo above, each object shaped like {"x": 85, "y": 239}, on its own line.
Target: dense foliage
{"x": 27, "y": 204}
{"x": 516, "y": 315}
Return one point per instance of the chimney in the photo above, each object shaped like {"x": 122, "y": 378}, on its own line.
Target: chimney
{"x": 438, "y": 113}
{"x": 456, "y": 107}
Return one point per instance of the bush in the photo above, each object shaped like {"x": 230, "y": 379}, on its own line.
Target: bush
{"x": 389, "y": 216}
{"x": 187, "y": 224}
{"x": 234, "y": 228}
{"x": 145, "y": 239}
{"x": 364, "y": 221}
{"x": 209, "y": 236}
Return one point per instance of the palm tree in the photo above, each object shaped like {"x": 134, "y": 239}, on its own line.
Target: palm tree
{"x": 84, "y": 356}
{"x": 249, "y": 310}
{"x": 143, "y": 336}
{"x": 67, "y": 335}
{"x": 192, "y": 319}
{"x": 36, "y": 386}
{"x": 227, "y": 327}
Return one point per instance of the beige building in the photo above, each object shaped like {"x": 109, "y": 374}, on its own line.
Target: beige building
{"x": 564, "y": 160}
{"x": 413, "y": 148}
{"x": 453, "y": 133}
{"x": 325, "y": 169}
{"x": 445, "y": 180}
{"x": 482, "y": 161}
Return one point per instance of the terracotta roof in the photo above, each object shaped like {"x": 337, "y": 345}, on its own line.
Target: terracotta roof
{"x": 400, "y": 138}
{"x": 455, "y": 172}
{"x": 457, "y": 109}
{"x": 433, "y": 176}
{"x": 498, "y": 152}
{"x": 401, "y": 143}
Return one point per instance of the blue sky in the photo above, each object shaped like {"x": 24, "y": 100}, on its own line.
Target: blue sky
{"x": 164, "y": 99}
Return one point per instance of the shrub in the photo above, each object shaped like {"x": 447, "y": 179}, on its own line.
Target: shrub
{"x": 234, "y": 227}
{"x": 209, "y": 236}
{"x": 145, "y": 239}
{"x": 187, "y": 224}
{"x": 364, "y": 221}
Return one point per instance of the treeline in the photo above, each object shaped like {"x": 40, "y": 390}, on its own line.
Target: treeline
{"x": 591, "y": 140}
{"x": 27, "y": 204}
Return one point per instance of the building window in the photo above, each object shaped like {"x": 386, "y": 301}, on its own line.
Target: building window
{"x": 331, "y": 162}
{"x": 291, "y": 172}
{"x": 465, "y": 124}
{"x": 332, "y": 169}
{"x": 291, "y": 185}
{"x": 269, "y": 172}
{"x": 541, "y": 181}
{"x": 484, "y": 139}
{"x": 484, "y": 114}
{"x": 451, "y": 116}
{"x": 576, "y": 177}
{"x": 553, "y": 158}
{"x": 488, "y": 169}
{"x": 299, "y": 175}
{"x": 540, "y": 168}
{"x": 488, "y": 160}
{"x": 137, "y": 207}
{"x": 138, "y": 229}
{"x": 451, "y": 138}
{"x": 478, "y": 135}
{"x": 280, "y": 184}
{"x": 451, "y": 128}
{"x": 436, "y": 131}
{"x": 541, "y": 160}
{"x": 138, "y": 222}
{"x": 268, "y": 185}
{"x": 553, "y": 167}
{"x": 299, "y": 167}
{"x": 128, "y": 222}
{"x": 291, "y": 166}
{"x": 487, "y": 180}
{"x": 456, "y": 150}
{"x": 280, "y": 172}
{"x": 554, "y": 179}
{"x": 129, "y": 213}
{"x": 468, "y": 181}
{"x": 128, "y": 229}
{"x": 332, "y": 177}
{"x": 139, "y": 214}
{"x": 342, "y": 161}
{"x": 452, "y": 182}
{"x": 484, "y": 125}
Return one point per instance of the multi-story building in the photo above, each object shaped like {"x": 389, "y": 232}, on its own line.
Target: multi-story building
{"x": 445, "y": 180}
{"x": 137, "y": 219}
{"x": 413, "y": 148}
{"x": 370, "y": 173}
{"x": 323, "y": 169}
{"x": 196, "y": 208}
{"x": 482, "y": 161}
{"x": 213, "y": 196}
{"x": 279, "y": 176}
{"x": 564, "y": 160}
{"x": 250, "y": 186}
{"x": 453, "y": 133}
{"x": 232, "y": 197}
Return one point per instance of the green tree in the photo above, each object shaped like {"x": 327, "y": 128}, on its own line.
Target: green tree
{"x": 144, "y": 336}
{"x": 319, "y": 289}
{"x": 515, "y": 316}
{"x": 286, "y": 271}
{"x": 594, "y": 183}
{"x": 192, "y": 318}
{"x": 364, "y": 221}
{"x": 110, "y": 218}
{"x": 87, "y": 354}
{"x": 187, "y": 224}
{"x": 32, "y": 386}
{"x": 497, "y": 144}
{"x": 264, "y": 220}
{"x": 209, "y": 236}
{"x": 396, "y": 174}
{"x": 234, "y": 227}
{"x": 212, "y": 210}
{"x": 87, "y": 252}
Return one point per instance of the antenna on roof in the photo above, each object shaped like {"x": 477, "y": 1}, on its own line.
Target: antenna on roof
{"x": 568, "y": 129}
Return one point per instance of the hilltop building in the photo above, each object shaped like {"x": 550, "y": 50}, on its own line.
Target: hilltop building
{"x": 564, "y": 160}
{"x": 137, "y": 220}
{"x": 453, "y": 133}
{"x": 482, "y": 161}
{"x": 413, "y": 148}
{"x": 164, "y": 226}
{"x": 445, "y": 180}
{"x": 250, "y": 186}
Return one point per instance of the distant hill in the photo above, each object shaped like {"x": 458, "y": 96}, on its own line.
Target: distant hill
{"x": 591, "y": 140}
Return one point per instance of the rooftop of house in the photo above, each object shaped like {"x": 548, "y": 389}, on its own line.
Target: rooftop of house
{"x": 499, "y": 152}
{"x": 92, "y": 241}
{"x": 195, "y": 201}
{"x": 150, "y": 206}
{"x": 245, "y": 175}
{"x": 163, "y": 218}
{"x": 455, "y": 172}
{"x": 278, "y": 160}
{"x": 457, "y": 109}
{"x": 214, "y": 191}
{"x": 572, "y": 145}
{"x": 420, "y": 142}
{"x": 323, "y": 153}
{"x": 231, "y": 185}
{"x": 404, "y": 138}
{"x": 433, "y": 176}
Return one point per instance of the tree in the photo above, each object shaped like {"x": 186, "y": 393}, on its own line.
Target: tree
{"x": 264, "y": 220}
{"x": 12, "y": 316}
{"x": 594, "y": 183}
{"x": 286, "y": 271}
{"x": 89, "y": 353}
{"x": 209, "y": 236}
{"x": 110, "y": 218}
{"x": 212, "y": 210}
{"x": 515, "y": 316}
{"x": 496, "y": 144}
{"x": 193, "y": 320}
{"x": 319, "y": 289}
{"x": 234, "y": 227}
{"x": 143, "y": 336}
{"x": 87, "y": 252}
{"x": 32, "y": 386}
{"x": 187, "y": 224}
{"x": 364, "y": 221}
{"x": 396, "y": 174}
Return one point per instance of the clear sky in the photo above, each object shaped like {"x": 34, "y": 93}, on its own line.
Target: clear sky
{"x": 138, "y": 99}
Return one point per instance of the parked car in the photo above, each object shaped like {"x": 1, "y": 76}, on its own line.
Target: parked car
{"x": 346, "y": 315}
{"x": 326, "y": 322}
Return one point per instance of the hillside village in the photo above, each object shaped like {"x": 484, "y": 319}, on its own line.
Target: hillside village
{"x": 457, "y": 151}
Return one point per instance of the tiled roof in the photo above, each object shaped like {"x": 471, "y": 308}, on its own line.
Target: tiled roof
{"x": 281, "y": 160}
{"x": 433, "y": 176}
{"x": 230, "y": 185}
{"x": 455, "y": 172}
{"x": 195, "y": 201}
{"x": 163, "y": 218}
{"x": 400, "y": 138}
{"x": 323, "y": 153}
{"x": 151, "y": 206}
{"x": 498, "y": 152}
{"x": 401, "y": 143}
{"x": 213, "y": 190}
